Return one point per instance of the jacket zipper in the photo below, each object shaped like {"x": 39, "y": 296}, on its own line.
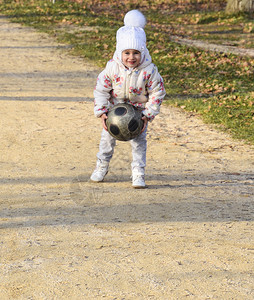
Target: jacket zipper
{"x": 127, "y": 85}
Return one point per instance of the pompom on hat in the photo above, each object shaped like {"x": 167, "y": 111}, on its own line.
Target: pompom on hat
{"x": 135, "y": 18}
{"x": 132, "y": 34}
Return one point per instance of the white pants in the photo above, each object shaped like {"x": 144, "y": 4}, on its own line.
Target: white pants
{"x": 139, "y": 146}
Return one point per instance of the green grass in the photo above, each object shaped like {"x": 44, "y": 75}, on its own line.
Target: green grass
{"x": 219, "y": 87}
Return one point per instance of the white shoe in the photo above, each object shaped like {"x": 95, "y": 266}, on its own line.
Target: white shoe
{"x": 100, "y": 171}
{"x": 138, "y": 181}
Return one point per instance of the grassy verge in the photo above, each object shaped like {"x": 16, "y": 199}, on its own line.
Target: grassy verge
{"x": 219, "y": 87}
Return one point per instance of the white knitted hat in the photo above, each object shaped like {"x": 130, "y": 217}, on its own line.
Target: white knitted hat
{"x": 132, "y": 34}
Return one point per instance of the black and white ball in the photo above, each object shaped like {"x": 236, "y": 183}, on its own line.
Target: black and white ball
{"x": 124, "y": 122}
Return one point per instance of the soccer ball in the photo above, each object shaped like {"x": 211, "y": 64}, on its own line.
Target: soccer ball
{"x": 124, "y": 122}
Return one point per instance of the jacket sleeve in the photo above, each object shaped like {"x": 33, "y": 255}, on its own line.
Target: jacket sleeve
{"x": 102, "y": 93}
{"x": 156, "y": 94}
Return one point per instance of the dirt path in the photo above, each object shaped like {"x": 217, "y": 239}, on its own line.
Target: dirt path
{"x": 213, "y": 47}
{"x": 188, "y": 236}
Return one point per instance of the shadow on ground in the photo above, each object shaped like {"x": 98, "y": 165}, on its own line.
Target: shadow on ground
{"x": 75, "y": 201}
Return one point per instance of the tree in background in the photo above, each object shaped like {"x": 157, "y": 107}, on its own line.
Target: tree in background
{"x": 240, "y": 5}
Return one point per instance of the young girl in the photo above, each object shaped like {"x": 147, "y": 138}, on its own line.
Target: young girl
{"x": 130, "y": 77}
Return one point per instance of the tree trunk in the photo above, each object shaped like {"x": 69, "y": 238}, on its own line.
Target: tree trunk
{"x": 234, "y": 6}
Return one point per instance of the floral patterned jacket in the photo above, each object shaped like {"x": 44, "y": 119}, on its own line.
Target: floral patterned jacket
{"x": 142, "y": 87}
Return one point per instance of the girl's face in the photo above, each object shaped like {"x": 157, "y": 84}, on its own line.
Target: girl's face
{"x": 131, "y": 58}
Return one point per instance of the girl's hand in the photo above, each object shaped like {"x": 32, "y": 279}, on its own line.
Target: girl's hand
{"x": 145, "y": 119}
{"x": 103, "y": 120}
